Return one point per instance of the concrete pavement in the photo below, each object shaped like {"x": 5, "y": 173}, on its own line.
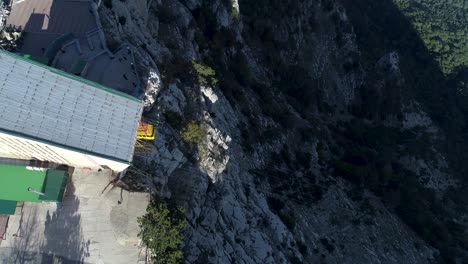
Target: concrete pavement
{"x": 94, "y": 224}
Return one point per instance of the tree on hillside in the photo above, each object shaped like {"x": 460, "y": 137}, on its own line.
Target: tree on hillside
{"x": 193, "y": 133}
{"x": 162, "y": 231}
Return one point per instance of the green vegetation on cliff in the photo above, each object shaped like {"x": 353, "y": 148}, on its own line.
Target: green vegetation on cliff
{"x": 443, "y": 26}
{"x": 162, "y": 232}
{"x": 193, "y": 133}
{"x": 206, "y": 75}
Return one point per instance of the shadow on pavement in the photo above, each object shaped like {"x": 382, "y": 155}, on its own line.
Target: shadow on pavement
{"x": 62, "y": 232}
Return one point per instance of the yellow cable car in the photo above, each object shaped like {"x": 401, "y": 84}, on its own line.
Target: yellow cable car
{"x": 146, "y": 131}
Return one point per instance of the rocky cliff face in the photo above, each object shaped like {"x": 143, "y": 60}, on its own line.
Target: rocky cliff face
{"x": 296, "y": 96}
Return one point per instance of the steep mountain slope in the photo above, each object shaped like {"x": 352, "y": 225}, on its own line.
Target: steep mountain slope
{"x": 331, "y": 135}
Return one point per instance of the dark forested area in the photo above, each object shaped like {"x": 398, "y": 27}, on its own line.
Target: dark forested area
{"x": 381, "y": 27}
{"x": 443, "y": 26}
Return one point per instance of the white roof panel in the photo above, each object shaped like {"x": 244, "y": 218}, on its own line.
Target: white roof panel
{"x": 47, "y": 104}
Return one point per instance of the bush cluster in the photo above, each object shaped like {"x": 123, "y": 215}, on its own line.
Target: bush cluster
{"x": 162, "y": 231}
{"x": 205, "y": 74}
{"x": 193, "y": 133}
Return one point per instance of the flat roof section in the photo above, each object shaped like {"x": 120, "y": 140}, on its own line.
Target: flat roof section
{"x": 15, "y": 182}
{"x": 46, "y": 20}
{"x": 54, "y": 186}
{"x": 47, "y": 104}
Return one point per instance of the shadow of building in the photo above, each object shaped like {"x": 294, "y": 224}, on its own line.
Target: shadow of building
{"x": 62, "y": 232}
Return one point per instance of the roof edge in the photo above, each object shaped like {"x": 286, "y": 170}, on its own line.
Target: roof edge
{"x": 135, "y": 133}
{"x": 71, "y": 76}
{"x": 55, "y": 144}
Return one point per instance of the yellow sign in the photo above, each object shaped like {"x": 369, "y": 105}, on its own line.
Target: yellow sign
{"x": 146, "y": 131}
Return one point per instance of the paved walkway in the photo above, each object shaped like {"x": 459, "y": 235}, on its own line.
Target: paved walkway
{"x": 92, "y": 225}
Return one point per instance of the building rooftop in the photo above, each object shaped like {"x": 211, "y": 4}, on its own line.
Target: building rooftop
{"x": 48, "y": 105}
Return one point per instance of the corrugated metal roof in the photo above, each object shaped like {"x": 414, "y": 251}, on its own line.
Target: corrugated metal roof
{"x": 47, "y": 104}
